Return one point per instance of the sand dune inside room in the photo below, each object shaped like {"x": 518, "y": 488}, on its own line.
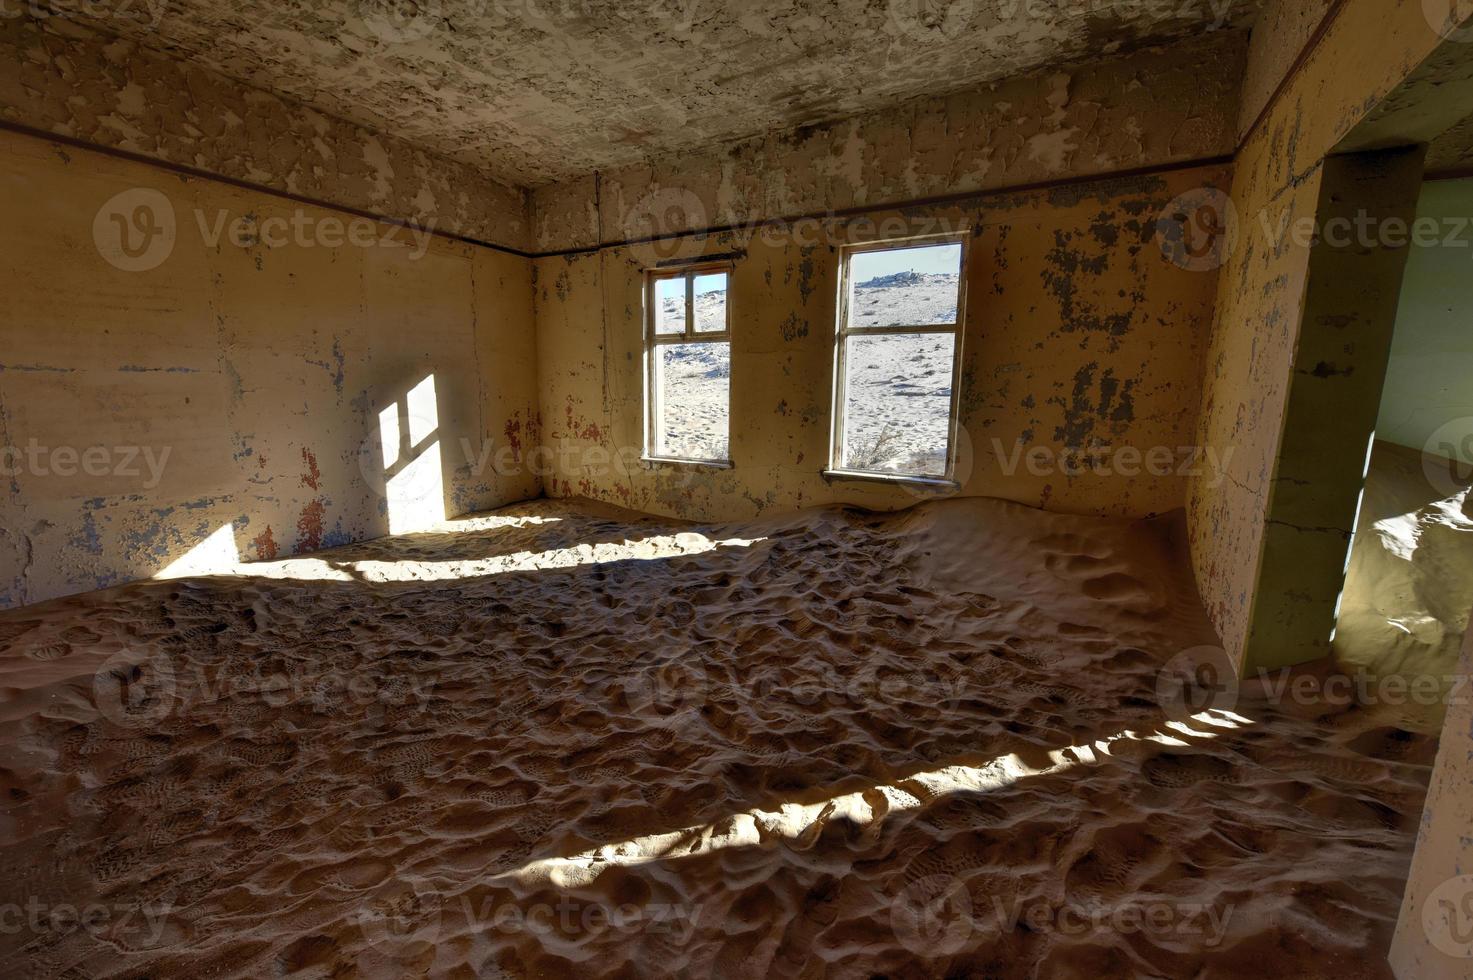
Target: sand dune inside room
{"x": 811, "y": 489}
{"x": 766, "y": 742}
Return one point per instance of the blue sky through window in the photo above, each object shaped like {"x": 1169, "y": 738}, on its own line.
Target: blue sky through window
{"x": 932, "y": 259}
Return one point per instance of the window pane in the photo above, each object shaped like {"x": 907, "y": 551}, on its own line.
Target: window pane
{"x": 711, "y": 303}
{"x": 670, "y": 305}
{"x": 695, "y": 392}
{"x": 897, "y": 403}
{"x": 904, "y": 287}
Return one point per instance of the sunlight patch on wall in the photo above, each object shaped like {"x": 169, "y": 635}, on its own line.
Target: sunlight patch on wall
{"x": 214, "y": 555}
{"x": 414, "y": 485}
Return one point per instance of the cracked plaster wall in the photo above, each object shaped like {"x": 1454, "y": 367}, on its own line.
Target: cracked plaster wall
{"x": 260, "y": 369}
{"x": 1370, "y": 49}
{"x": 1144, "y": 110}
{"x": 1079, "y": 334}
{"x": 65, "y": 79}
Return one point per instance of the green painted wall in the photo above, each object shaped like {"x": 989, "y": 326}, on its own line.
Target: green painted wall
{"x": 1430, "y": 378}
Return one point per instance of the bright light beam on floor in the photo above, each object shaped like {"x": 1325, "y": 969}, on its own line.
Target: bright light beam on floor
{"x": 646, "y": 549}
{"x": 798, "y": 822}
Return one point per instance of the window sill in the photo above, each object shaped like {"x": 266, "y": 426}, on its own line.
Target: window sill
{"x": 710, "y": 464}
{"x": 930, "y": 482}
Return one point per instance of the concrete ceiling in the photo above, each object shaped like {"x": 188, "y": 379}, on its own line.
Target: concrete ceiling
{"x": 536, "y": 91}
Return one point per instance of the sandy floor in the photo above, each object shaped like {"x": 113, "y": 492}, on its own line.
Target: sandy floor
{"x": 836, "y": 744}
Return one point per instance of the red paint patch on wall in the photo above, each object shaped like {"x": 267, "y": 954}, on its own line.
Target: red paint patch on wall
{"x": 581, "y": 428}
{"x": 313, "y": 476}
{"x": 265, "y": 543}
{"x": 513, "y": 433}
{"x": 309, "y": 527}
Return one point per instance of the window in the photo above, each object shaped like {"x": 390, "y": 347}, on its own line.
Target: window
{"x": 688, "y": 365}
{"x": 897, "y": 358}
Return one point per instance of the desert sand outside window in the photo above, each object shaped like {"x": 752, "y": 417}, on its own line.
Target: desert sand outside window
{"x": 687, "y": 390}
{"x": 897, "y": 359}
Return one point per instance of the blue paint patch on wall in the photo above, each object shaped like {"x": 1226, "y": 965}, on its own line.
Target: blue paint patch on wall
{"x": 337, "y": 537}
{"x": 87, "y": 538}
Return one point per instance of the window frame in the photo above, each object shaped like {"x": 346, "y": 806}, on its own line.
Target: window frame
{"x": 653, "y": 341}
{"x": 842, "y": 333}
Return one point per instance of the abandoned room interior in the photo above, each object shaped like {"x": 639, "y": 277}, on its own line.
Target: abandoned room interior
{"x": 793, "y": 488}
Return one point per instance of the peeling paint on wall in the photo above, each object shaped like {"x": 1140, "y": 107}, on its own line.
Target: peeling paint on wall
{"x": 530, "y": 92}
{"x": 1368, "y": 50}
{"x": 59, "y": 77}
{"x": 231, "y": 387}
{"x": 1038, "y": 370}
{"x": 1146, "y": 109}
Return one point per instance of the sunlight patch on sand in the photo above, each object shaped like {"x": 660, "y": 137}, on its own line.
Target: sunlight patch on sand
{"x": 646, "y": 549}
{"x": 798, "y": 822}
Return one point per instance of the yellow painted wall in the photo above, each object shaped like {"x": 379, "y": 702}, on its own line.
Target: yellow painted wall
{"x": 260, "y": 370}
{"x": 1078, "y": 333}
{"x": 1434, "y": 934}
{"x": 1368, "y": 50}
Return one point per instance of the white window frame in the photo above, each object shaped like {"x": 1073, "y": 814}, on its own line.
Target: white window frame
{"x": 844, "y": 331}
{"x": 654, "y": 341}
